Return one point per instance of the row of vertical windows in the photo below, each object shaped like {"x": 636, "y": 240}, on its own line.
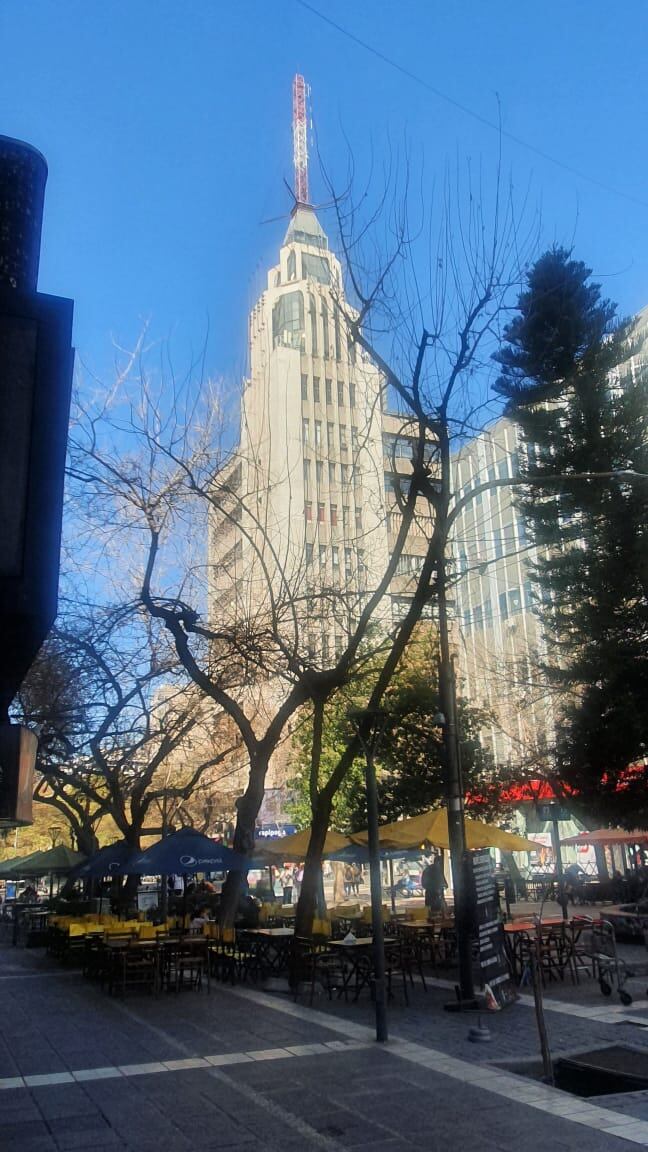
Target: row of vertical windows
{"x": 408, "y": 564}
{"x": 333, "y": 514}
{"x": 328, "y": 391}
{"x": 330, "y": 433}
{"x": 510, "y": 603}
{"x": 288, "y": 323}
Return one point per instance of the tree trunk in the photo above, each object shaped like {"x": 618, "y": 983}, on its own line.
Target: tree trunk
{"x": 338, "y": 882}
{"x": 311, "y": 884}
{"x": 247, "y": 811}
{"x": 86, "y": 840}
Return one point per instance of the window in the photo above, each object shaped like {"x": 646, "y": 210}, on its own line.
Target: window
{"x": 338, "y": 342}
{"x": 319, "y": 473}
{"x": 288, "y": 321}
{"x": 509, "y": 539}
{"x": 397, "y": 447}
{"x": 308, "y": 510}
{"x": 330, "y": 435}
{"x": 335, "y": 556}
{"x": 344, "y": 474}
{"x": 325, "y": 330}
{"x": 328, "y": 384}
{"x": 345, "y": 515}
{"x": 503, "y": 606}
{"x": 502, "y": 470}
{"x": 316, "y": 389}
{"x": 292, "y": 265}
{"x": 408, "y": 564}
{"x": 390, "y": 485}
{"x": 322, "y": 555}
{"x": 334, "y": 516}
{"x": 348, "y": 565}
{"x": 316, "y": 268}
{"x": 352, "y": 394}
{"x": 306, "y": 430}
{"x": 354, "y": 438}
{"x": 497, "y": 543}
{"x": 340, "y": 393}
{"x": 320, "y": 513}
{"x": 331, "y": 471}
{"x": 318, "y": 433}
{"x": 358, "y": 519}
{"x": 304, "y": 387}
{"x": 352, "y": 350}
{"x": 307, "y": 477}
{"x": 344, "y": 443}
{"x": 528, "y": 594}
{"x": 515, "y": 600}
{"x": 326, "y": 649}
{"x": 309, "y": 553}
{"x": 312, "y": 313}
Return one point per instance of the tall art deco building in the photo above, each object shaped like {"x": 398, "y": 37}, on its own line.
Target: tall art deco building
{"x": 309, "y": 500}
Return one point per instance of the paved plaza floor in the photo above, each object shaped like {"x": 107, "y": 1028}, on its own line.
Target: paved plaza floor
{"x": 241, "y": 1068}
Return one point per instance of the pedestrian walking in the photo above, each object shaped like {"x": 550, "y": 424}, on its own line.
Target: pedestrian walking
{"x": 434, "y": 884}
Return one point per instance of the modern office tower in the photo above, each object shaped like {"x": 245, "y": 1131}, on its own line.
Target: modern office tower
{"x": 496, "y": 631}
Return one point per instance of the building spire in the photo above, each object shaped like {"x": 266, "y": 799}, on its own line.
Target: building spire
{"x": 300, "y": 146}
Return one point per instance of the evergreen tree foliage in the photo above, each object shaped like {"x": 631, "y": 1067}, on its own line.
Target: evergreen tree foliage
{"x": 409, "y": 757}
{"x": 575, "y": 383}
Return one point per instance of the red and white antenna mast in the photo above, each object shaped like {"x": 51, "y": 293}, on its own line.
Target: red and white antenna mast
{"x": 300, "y": 146}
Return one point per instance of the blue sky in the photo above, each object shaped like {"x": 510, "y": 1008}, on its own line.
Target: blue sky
{"x": 166, "y": 127}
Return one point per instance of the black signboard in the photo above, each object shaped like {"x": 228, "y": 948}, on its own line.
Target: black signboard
{"x": 496, "y": 977}
{"x": 553, "y": 812}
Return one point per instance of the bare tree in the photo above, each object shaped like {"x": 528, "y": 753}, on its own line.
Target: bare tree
{"x": 151, "y": 471}
{"x": 113, "y": 710}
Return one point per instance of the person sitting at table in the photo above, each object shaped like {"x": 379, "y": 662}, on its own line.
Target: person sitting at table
{"x": 200, "y": 917}
{"x": 574, "y": 881}
{"x": 247, "y": 913}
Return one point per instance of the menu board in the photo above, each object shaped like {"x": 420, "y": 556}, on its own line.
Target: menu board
{"x": 496, "y": 977}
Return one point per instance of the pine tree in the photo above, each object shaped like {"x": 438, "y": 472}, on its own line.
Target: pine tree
{"x": 580, "y": 396}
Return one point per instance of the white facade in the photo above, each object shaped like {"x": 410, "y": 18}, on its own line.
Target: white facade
{"x": 309, "y": 467}
{"x": 311, "y": 517}
{"x": 497, "y": 634}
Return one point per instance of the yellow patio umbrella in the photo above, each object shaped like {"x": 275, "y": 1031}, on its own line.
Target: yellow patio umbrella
{"x": 432, "y": 827}
{"x": 294, "y": 847}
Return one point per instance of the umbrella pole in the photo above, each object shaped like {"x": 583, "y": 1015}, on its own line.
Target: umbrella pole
{"x": 391, "y": 884}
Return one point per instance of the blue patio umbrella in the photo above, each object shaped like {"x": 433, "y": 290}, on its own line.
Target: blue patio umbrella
{"x": 108, "y": 861}
{"x": 183, "y": 853}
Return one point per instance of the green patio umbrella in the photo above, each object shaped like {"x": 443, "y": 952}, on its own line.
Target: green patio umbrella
{"x": 7, "y": 866}
{"x": 52, "y": 862}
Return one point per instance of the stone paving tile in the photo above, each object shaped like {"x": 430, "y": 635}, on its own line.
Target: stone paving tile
{"x": 355, "y": 1098}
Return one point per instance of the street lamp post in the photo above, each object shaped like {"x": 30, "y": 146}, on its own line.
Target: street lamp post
{"x": 369, "y": 724}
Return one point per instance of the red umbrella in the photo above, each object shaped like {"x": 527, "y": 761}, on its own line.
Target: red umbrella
{"x": 607, "y": 836}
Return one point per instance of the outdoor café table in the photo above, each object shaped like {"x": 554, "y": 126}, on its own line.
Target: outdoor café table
{"x": 271, "y": 948}
{"x": 114, "y": 950}
{"x": 521, "y": 935}
{"x": 517, "y": 935}
{"x": 424, "y": 936}
{"x": 357, "y": 963}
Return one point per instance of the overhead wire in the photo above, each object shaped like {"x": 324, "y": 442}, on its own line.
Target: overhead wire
{"x": 484, "y": 120}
